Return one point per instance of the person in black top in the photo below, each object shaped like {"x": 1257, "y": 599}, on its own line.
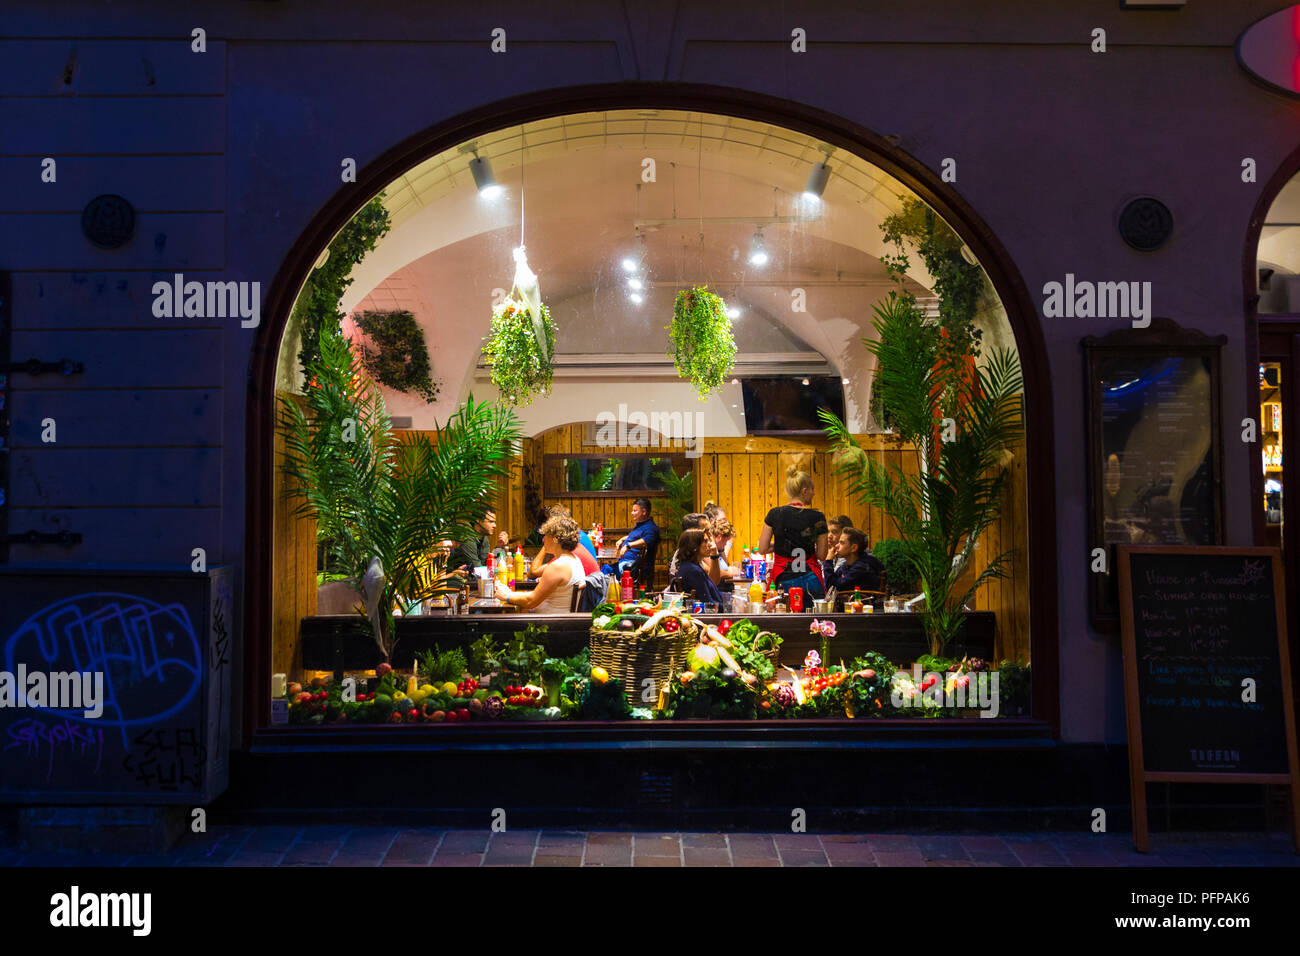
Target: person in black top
{"x": 797, "y": 533}
{"x": 693, "y": 549}
{"x": 861, "y": 568}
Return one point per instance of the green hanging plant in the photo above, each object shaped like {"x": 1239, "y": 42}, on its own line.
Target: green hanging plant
{"x": 394, "y": 353}
{"x": 317, "y": 305}
{"x": 703, "y": 345}
{"x": 519, "y": 368}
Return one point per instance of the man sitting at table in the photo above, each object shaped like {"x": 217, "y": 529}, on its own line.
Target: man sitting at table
{"x": 861, "y": 568}
{"x": 474, "y": 552}
{"x": 644, "y": 535}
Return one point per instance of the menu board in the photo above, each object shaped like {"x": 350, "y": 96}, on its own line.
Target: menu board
{"x": 1156, "y": 446}
{"x": 1207, "y": 676}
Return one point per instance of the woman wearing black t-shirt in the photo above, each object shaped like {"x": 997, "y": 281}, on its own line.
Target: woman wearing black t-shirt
{"x": 797, "y": 533}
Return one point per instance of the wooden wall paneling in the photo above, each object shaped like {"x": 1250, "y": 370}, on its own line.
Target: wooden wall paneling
{"x": 758, "y": 483}
{"x": 293, "y": 570}
{"x": 740, "y": 487}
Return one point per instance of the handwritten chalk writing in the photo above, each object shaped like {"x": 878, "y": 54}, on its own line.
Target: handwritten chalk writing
{"x": 55, "y": 691}
{"x": 149, "y": 653}
{"x": 167, "y": 765}
{"x": 32, "y": 735}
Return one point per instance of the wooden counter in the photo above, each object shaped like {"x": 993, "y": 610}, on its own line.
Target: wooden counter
{"x": 341, "y": 643}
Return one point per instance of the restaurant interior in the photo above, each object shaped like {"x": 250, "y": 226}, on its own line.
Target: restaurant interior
{"x": 616, "y": 213}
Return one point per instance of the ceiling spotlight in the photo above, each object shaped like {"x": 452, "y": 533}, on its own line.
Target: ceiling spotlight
{"x": 629, "y": 264}
{"x": 757, "y": 249}
{"x": 636, "y": 298}
{"x": 844, "y": 381}
{"x": 635, "y": 284}
{"x": 735, "y": 381}
{"x": 486, "y": 183}
{"x": 805, "y": 381}
{"x": 818, "y": 176}
{"x": 733, "y": 311}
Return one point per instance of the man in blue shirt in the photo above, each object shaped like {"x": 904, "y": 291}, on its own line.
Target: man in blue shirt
{"x": 644, "y": 535}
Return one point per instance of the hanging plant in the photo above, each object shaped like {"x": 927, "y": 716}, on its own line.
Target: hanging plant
{"x": 520, "y": 369}
{"x": 703, "y": 346}
{"x": 394, "y": 352}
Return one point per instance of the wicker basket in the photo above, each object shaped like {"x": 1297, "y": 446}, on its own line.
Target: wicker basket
{"x": 632, "y": 657}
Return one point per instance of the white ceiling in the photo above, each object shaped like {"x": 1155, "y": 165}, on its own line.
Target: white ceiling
{"x": 574, "y": 185}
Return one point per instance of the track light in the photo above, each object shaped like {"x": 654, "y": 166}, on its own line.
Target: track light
{"x": 636, "y": 298}
{"x": 818, "y": 176}
{"x": 805, "y": 381}
{"x": 733, "y": 311}
{"x": 757, "y": 249}
{"x": 484, "y": 181}
{"x": 635, "y": 284}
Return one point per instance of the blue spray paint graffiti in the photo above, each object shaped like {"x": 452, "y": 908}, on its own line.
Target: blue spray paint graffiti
{"x": 149, "y": 653}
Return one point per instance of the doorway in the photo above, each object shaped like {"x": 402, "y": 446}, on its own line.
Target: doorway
{"x": 1279, "y": 397}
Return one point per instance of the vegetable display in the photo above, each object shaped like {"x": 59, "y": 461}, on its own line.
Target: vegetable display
{"x": 729, "y": 675}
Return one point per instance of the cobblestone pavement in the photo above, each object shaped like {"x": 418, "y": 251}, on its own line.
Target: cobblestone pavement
{"x": 396, "y": 846}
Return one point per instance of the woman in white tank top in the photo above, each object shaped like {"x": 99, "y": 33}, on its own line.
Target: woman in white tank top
{"x": 554, "y": 589}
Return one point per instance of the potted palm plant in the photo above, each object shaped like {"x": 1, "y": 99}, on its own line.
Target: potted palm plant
{"x": 385, "y": 505}
{"x": 960, "y": 418}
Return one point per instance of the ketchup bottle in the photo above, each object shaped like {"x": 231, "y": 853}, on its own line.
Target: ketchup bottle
{"x": 626, "y": 585}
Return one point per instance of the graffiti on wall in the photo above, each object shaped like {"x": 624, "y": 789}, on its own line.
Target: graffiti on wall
{"x": 148, "y": 652}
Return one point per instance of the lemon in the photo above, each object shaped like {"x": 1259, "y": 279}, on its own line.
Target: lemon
{"x": 427, "y": 689}
{"x": 449, "y": 689}
{"x": 398, "y": 695}
{"x": 599, "y": 675}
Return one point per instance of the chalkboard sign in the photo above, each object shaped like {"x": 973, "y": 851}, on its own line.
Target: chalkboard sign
{"x": 149, "y": 723}
{"x": 1206, "y": 668}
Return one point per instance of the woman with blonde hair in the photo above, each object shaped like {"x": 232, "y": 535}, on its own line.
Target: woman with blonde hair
{"x": 797, "y": 533}
{"x": 553, "y": 592}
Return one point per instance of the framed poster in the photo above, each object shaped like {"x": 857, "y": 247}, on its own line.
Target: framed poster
{"x": 1154, "y": 447}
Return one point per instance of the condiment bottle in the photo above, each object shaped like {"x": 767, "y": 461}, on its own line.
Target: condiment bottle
{"x": 626, "y": 585}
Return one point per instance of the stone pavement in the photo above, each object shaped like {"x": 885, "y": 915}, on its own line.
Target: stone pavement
{"x": 292, "y": 845}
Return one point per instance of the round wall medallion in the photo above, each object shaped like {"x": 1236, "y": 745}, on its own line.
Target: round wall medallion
{"x": 108, "y": 221}
{"x": 1146, "y": 224}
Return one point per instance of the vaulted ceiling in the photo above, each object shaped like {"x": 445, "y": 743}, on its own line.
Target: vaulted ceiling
{"x": 574, "y": 191}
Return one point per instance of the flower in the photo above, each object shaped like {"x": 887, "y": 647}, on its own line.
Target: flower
{"x": 824, "y": 628}
{"x": 812, "y": 660}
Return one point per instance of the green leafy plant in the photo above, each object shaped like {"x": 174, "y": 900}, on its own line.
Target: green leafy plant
{"x": 377, "y": 497}
{"x": 483, "y": 655}
{"x": 1014, "y": 687}
{"x": 702, "y": 343}
{"x": 394, "y": 353}
{"x": 710, "y": 695}
{"x": 892, "y": 554}
{"x": 438, "y": 667}
{"x": 960, "y": 418}
{"x": 317, "y": 306}
{"x": 679, "y": 502}
{"x": 520, "y": 370}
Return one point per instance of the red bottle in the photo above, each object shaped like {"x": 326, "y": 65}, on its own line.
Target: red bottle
{"x": 626, "y": 585}
{"x": 796, "y": 600}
